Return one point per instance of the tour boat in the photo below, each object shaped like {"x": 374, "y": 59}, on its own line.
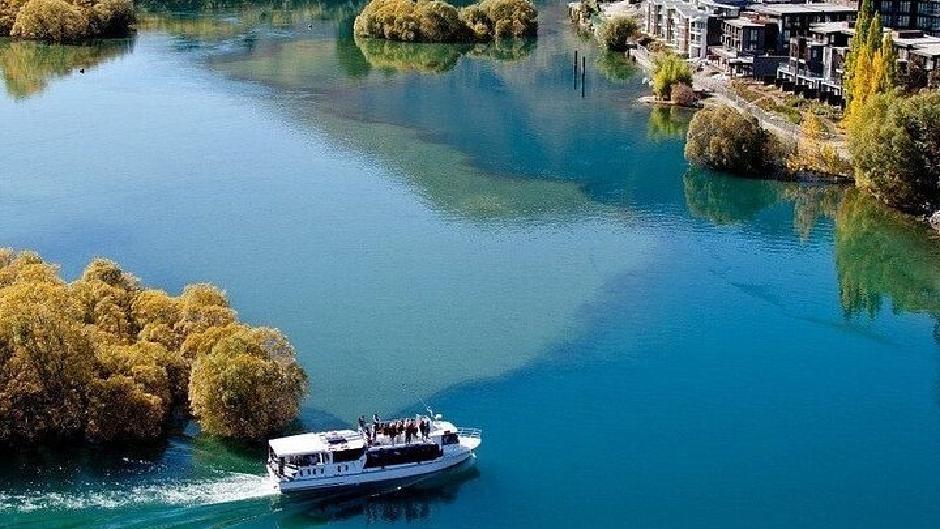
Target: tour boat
{"x": 395, "y": 452}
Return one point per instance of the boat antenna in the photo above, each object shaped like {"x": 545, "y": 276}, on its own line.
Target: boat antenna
{"x": 427, "y": 406}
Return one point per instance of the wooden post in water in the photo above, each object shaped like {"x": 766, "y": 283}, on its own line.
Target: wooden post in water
{"x": 583, "y": 69}
{"x": 575, "y": 69}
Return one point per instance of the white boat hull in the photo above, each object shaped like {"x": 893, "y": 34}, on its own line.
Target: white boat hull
{"x": 407, "y": 474}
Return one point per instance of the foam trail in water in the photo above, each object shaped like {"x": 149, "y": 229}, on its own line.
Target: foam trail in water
{"x": 232, "y": 487}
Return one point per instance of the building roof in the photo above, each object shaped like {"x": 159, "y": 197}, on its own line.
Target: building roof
{"x": 801, "y": 9}
{"x": 832, "y": 27}
{"x": 928, "y": 50}
{"x": 747, "y": 22}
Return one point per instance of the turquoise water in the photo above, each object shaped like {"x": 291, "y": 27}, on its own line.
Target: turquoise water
{"x": 643, "y": 345}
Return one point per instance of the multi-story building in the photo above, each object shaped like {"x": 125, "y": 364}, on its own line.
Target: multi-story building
{"x": 922, "y": 15}
{"x": 794, "y": 20}
{"x": 816, "y": 62}
{"x": 687, "y": 27}
{"x": 749, "y": 47}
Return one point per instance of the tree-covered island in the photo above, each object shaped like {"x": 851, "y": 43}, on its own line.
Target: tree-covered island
{"x": 104, "y": 358}
{"x": 66, "y": 20}
{"x": 438, "y": 21}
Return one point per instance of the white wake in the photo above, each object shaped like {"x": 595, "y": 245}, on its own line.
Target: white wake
{"x": 208, "y": 491}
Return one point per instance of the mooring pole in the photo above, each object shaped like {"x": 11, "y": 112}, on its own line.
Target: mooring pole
{"x": 583, "y": 69}
{"x": 575, "y": 69}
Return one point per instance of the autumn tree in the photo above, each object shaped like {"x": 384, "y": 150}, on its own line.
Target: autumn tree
{"x": 245, "y": 382}
{"x": 105, "y": 359}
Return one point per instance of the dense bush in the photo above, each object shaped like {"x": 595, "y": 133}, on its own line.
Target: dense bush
{"x": 65, "y": 20}
{"x": 669, "y": 70}
{"x": 103, "y": 358}
{"x": 895, "y": 145}
{"x": 616, "y": 33}
{"x": 438, "y": 21}
{"x": 491, "y": 19}
{"x": 814, "y": 154}
{"x": 728, "y": 140}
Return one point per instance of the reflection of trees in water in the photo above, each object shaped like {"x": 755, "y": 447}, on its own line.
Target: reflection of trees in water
{"x": 810, "y": 203}
{"x": 194, "y": 19}
{"x": 880, "y": 253}
{"x": 28, "y": 66}
{"x": 419, "y": 57}
{"x": 54, "y": 466}
{"x": 424, "y": 57}
{"x": 615, "y": 66}
{"x": 727, "y": 200}
{"x": 668, "y": 122}
{"x": 409, "y": 504}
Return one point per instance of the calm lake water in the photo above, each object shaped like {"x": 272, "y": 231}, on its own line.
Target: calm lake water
{"x": 644, "y": 345}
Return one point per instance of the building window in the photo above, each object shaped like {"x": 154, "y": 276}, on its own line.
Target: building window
{"x": 923, "y": 22}
{"x": 905, "y": 7}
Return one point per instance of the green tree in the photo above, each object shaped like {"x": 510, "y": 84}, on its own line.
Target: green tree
{"x": 725, "y": 139}
{"x": 617, "y": 32}
{"x": 669, "y": 70}
{"x": 895, "y": 145}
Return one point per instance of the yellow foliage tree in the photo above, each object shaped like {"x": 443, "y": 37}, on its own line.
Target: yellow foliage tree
{"x": 104, "y": 359}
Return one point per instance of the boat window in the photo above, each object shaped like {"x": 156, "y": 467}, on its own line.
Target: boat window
{"x": 449, "y": 439}
{"x": 381, "y": 457}
{"x": 352, "y": 454}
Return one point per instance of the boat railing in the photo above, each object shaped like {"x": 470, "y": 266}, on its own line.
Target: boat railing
{"x": 474, "y": 433}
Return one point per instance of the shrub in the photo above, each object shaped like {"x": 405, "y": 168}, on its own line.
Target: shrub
{"x": 682, "y": 95}
{"x": 723, "y": 138}
{"x": 52, "y": 20}
{"x": 895, "y": 146}
{"x": 617, "y": 32}
{"x": 111, "y": 18}
{"x": 669, "y": 70}
{"x": 813, "y": 154}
